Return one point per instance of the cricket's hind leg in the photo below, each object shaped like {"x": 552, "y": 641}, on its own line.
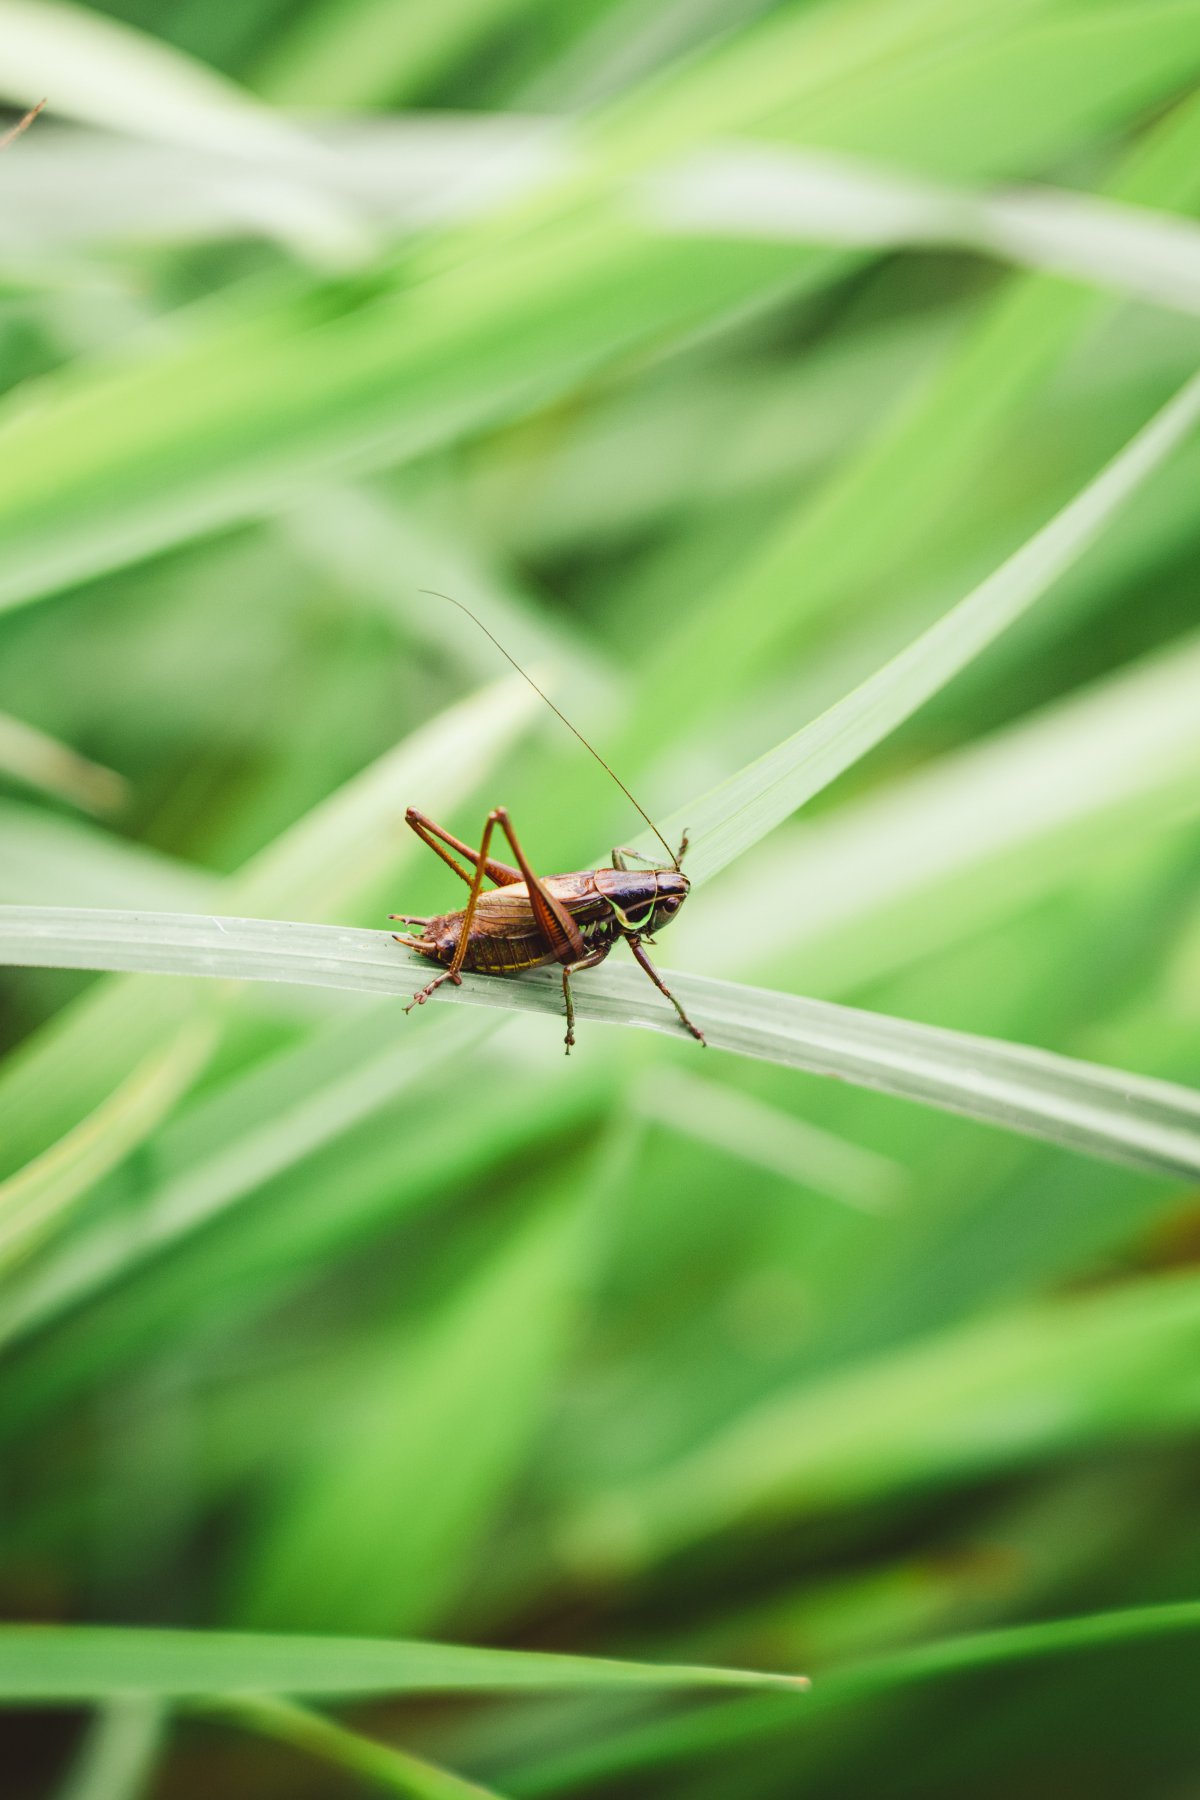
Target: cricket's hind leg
{"x": 423, "y": 945}
{"x": 432, "y": 987}
{"x": 438, "y": 838}
{"x": 484, "y": 867}
{"x": 563, "y": 938}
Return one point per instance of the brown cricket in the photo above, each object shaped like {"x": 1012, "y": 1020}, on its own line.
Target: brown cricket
{"x": 528, "y": 920}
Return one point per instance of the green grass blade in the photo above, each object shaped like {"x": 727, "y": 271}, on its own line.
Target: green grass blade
{"x": 705, "y": 1736}
{"x": 1016, "y": 1644}
{"x": 1102, "y": 1112}
{"x": 922, "y": 860}
{"x": 118, "y": 1754}
{"x": 44, "y": 857}
{"x": 338, "y": 855}
{"x": 239, "y": 413}
{"x": 108, "y": 73}
{"x": 727, "y": 820}
{"x": 767, "y": 1137}
{"x": 33, "y": 1201}
{"x": 414, "y": 1445}
{"x": 916, "y": 469}
{"x": 1032, "y": 1384}
{"x": 363, "y": 52}
{"x": 43, "y": 762}
{"x": 789, "y": 196}
{"x": 64, "y": 1665}
{"x": 382, "y": 1765}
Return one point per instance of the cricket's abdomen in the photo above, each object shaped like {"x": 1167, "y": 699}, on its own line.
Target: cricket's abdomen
{"x": 505, "y": 936}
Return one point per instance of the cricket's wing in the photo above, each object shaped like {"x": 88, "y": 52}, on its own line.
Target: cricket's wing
{"x": 506, "y": 935}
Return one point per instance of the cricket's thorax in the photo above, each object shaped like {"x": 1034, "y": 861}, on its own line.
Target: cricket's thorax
{"x": 605, "y": 905}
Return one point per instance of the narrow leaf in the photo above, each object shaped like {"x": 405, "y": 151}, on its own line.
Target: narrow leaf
{"x": 727, "y": 820}
{"x": 1033, "y": 1383}
{"x": 706, "y": 1735}
{"x": 118, "y": 1753}
{"x": 35, "y": 757}
{"x": 1134, "y": 1119}
{"x": 108, "y": 73}
{"x": 760, "y": 190}
{"x": 769, "y": 1138}
{"x": 383, "y": 1765}
{"x": 415, "y": 1460}
{"x": 34, "y": 1199}
{"x": 74, "y": 1664}
{"x": 328, "y": 860}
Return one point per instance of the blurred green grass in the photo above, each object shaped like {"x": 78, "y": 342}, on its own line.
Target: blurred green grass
{"x": 451, "y": 1336}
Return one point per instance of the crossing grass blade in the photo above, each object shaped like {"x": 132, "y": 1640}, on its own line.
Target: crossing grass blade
{"x": 681, "y": 1741}
{"x": 118, "y": 1753}
{"x": 385, "y": 1767}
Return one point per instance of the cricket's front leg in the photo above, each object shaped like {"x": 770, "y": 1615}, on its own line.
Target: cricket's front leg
{"x": 635, "y": 945}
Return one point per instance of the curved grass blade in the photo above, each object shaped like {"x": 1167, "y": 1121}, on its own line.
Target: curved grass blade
{"x": 1018, "y": 1643}
{"x": 977, "y": 829}
{"x": 82, "y": 187}
{"x": 383, "y": 1765}
{"x": 916, "y": 469}
{"x": 727, "y": 820}
{"x": 760, "y": 190}
{"x": 705, "y": 1735}
{"x": 109, "y": 73}
{"x": 1134, "y": 1119}
{"x": 68, "y": 1665}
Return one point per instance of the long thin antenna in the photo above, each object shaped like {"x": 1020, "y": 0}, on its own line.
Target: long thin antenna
{"x": 14, "y": 131}
{"x": 437, "y": 595}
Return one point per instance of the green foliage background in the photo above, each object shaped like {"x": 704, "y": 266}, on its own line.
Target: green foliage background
{"x": 319, "y": 1319}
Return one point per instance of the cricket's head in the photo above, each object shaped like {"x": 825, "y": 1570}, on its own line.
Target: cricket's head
{"x": 643, "y": 900}
{"x": 672, "y": 887}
